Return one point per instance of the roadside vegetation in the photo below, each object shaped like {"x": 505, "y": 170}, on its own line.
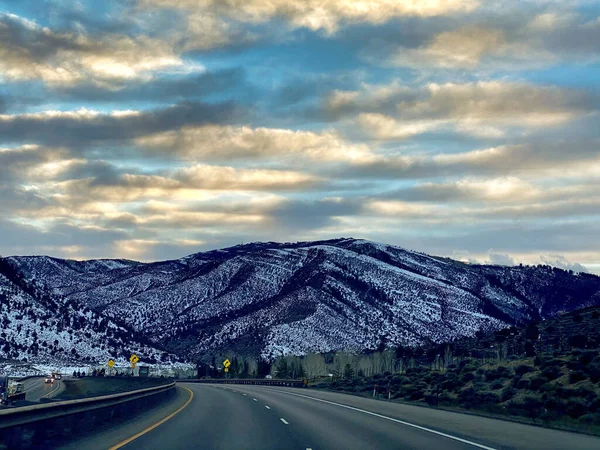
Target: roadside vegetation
{"x": 546, "y": 373}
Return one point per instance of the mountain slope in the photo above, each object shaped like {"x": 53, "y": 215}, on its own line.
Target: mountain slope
{"x": 35, "y": 326}
{"x": 271, "y": 298}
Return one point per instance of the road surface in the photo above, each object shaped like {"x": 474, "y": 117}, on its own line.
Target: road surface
{"x": 36, "y": 389}
{"x": 257, "y": 417}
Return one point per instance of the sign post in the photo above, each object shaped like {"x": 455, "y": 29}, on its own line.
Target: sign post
{"x": 226, "y": 364}
{"x": 133, "y": 359}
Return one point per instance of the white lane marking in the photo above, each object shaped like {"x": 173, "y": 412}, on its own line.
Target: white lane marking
{"x": 267, "y": 407}
{"x": 408, "y": 424}
{"x": 254, "y": 399}
{"x": 284, "y": 421}
{"x": 244, "y": 395}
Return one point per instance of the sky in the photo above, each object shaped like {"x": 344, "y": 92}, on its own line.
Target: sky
{"x": 153, "y": 129}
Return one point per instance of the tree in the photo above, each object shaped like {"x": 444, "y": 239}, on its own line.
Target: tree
{"x": 314, "y": 365}
{"x": 348, "y": 371}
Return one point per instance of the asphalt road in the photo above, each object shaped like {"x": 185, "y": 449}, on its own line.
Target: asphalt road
{"x": 256, "y": 417}
{"x": 36, "y": 389}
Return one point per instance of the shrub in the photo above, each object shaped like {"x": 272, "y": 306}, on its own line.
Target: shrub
{"x": 551, "y": 373}
{"x": 537, "y": 382}
{"x": 466, "y": 397}
{"x": 469, "y": 376}
{"x": 500, "y": 372}
{"x": 508, "y": 393}
{"x": 523, "y": 369}
{"x": 593, "y": 371}
{"x": 523, "y": 384}
{"x": 576, "y": 376}
{"x": 497, "y": 385}
{"x": 590, "y": 418}
{"x": 576, "y": 408}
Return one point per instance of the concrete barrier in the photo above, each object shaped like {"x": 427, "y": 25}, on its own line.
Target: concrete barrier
{"x": 47, "y": 425}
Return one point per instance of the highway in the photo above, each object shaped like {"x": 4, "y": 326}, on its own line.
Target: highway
{"x": 36, "y": 389}
{"x": 257, "y": 417}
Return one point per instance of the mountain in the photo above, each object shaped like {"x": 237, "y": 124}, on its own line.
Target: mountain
{"x": 41, "y": 328}
{"x": 273, "y": 298}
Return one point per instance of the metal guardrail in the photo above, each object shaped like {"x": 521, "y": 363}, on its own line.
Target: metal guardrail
{"x": 256, "y": 382}
{"x": 15, "y": 417}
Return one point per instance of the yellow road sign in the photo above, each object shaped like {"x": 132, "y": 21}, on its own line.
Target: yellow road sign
{"x": 226, "y": 369}
{"x": 111, "y": 363}
{"x": 226, "y": 363}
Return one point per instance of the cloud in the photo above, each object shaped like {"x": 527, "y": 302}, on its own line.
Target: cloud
{"x": 483, "y": 109}
{"x": 461, "y": 48}
{"x": 216, "y": 142}
{"x": 495, "y": 40}
{"x": 506, "y": 189}
{"x": 316, "y": 14}
{"x": 500, "y": 259}
{"x": 83, "y": 127}
{"x": 31, "y": 52}
{"x": 540, "y": 159}
{"x": 171, "y": 89}
{"x": 213, "y": 177}
{"x": 298, "y": 215}
{"x": 562, "y": 263}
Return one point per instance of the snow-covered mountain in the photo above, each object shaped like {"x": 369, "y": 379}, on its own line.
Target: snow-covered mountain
{"x": 37, "y": 327}
{"x": 273, "y": 298}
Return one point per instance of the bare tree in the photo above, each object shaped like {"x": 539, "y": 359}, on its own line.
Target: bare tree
{"x": 314, "y": 365}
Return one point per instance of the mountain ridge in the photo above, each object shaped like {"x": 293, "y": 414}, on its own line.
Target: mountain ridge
{"x": 269, "y": 298}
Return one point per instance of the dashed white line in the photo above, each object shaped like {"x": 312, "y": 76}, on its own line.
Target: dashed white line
{"x": 244, "y": 395}
{"x": 254, "y": 399}
{"x": 429, "y": 430}
{"x": 267, "y": 407}
{"x": 284, "y": 421}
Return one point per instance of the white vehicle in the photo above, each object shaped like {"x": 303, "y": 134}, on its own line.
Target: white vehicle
{"x": 49, "y": 379}
{"x": 269, "y": 377}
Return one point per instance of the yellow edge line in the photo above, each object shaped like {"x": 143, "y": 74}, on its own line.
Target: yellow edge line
{"x": 52, "y": 391}
{"x": 147, "y": 430}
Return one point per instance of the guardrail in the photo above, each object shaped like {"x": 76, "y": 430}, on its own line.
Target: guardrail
{"x": 25, "y": 426}
{"x": 257, "y": 382}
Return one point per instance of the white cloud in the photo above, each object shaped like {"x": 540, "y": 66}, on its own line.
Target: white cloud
{"x": 563, "y": 263}
{"x": 66, "y": 58}
{"x": 318, "y": 14}
{"x": 216, "y": 142}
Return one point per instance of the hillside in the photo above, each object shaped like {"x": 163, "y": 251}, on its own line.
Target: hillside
{"x": 36, "y": 327}
{"x": 272, "y": 298}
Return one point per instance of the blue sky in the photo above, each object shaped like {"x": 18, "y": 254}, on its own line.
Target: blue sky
{"x": 151, "y": 129}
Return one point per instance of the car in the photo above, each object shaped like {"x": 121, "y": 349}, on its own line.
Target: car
{"x": 49, "y": 379}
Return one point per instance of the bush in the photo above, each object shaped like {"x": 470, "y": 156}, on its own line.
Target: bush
{"x": 508, "y": 393}
{"x": 551, "y": 373}
{"x": 497, "y": 385}
{"x": 576, "y": 408}
{"x": 523, "y": 369}
{"x": 537, "y": 382}
{"x": 469, "y": 376}
{"x": 498, "y": 373}
{"x": 576, "y": 376}
{"x": 590, "y": 419}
